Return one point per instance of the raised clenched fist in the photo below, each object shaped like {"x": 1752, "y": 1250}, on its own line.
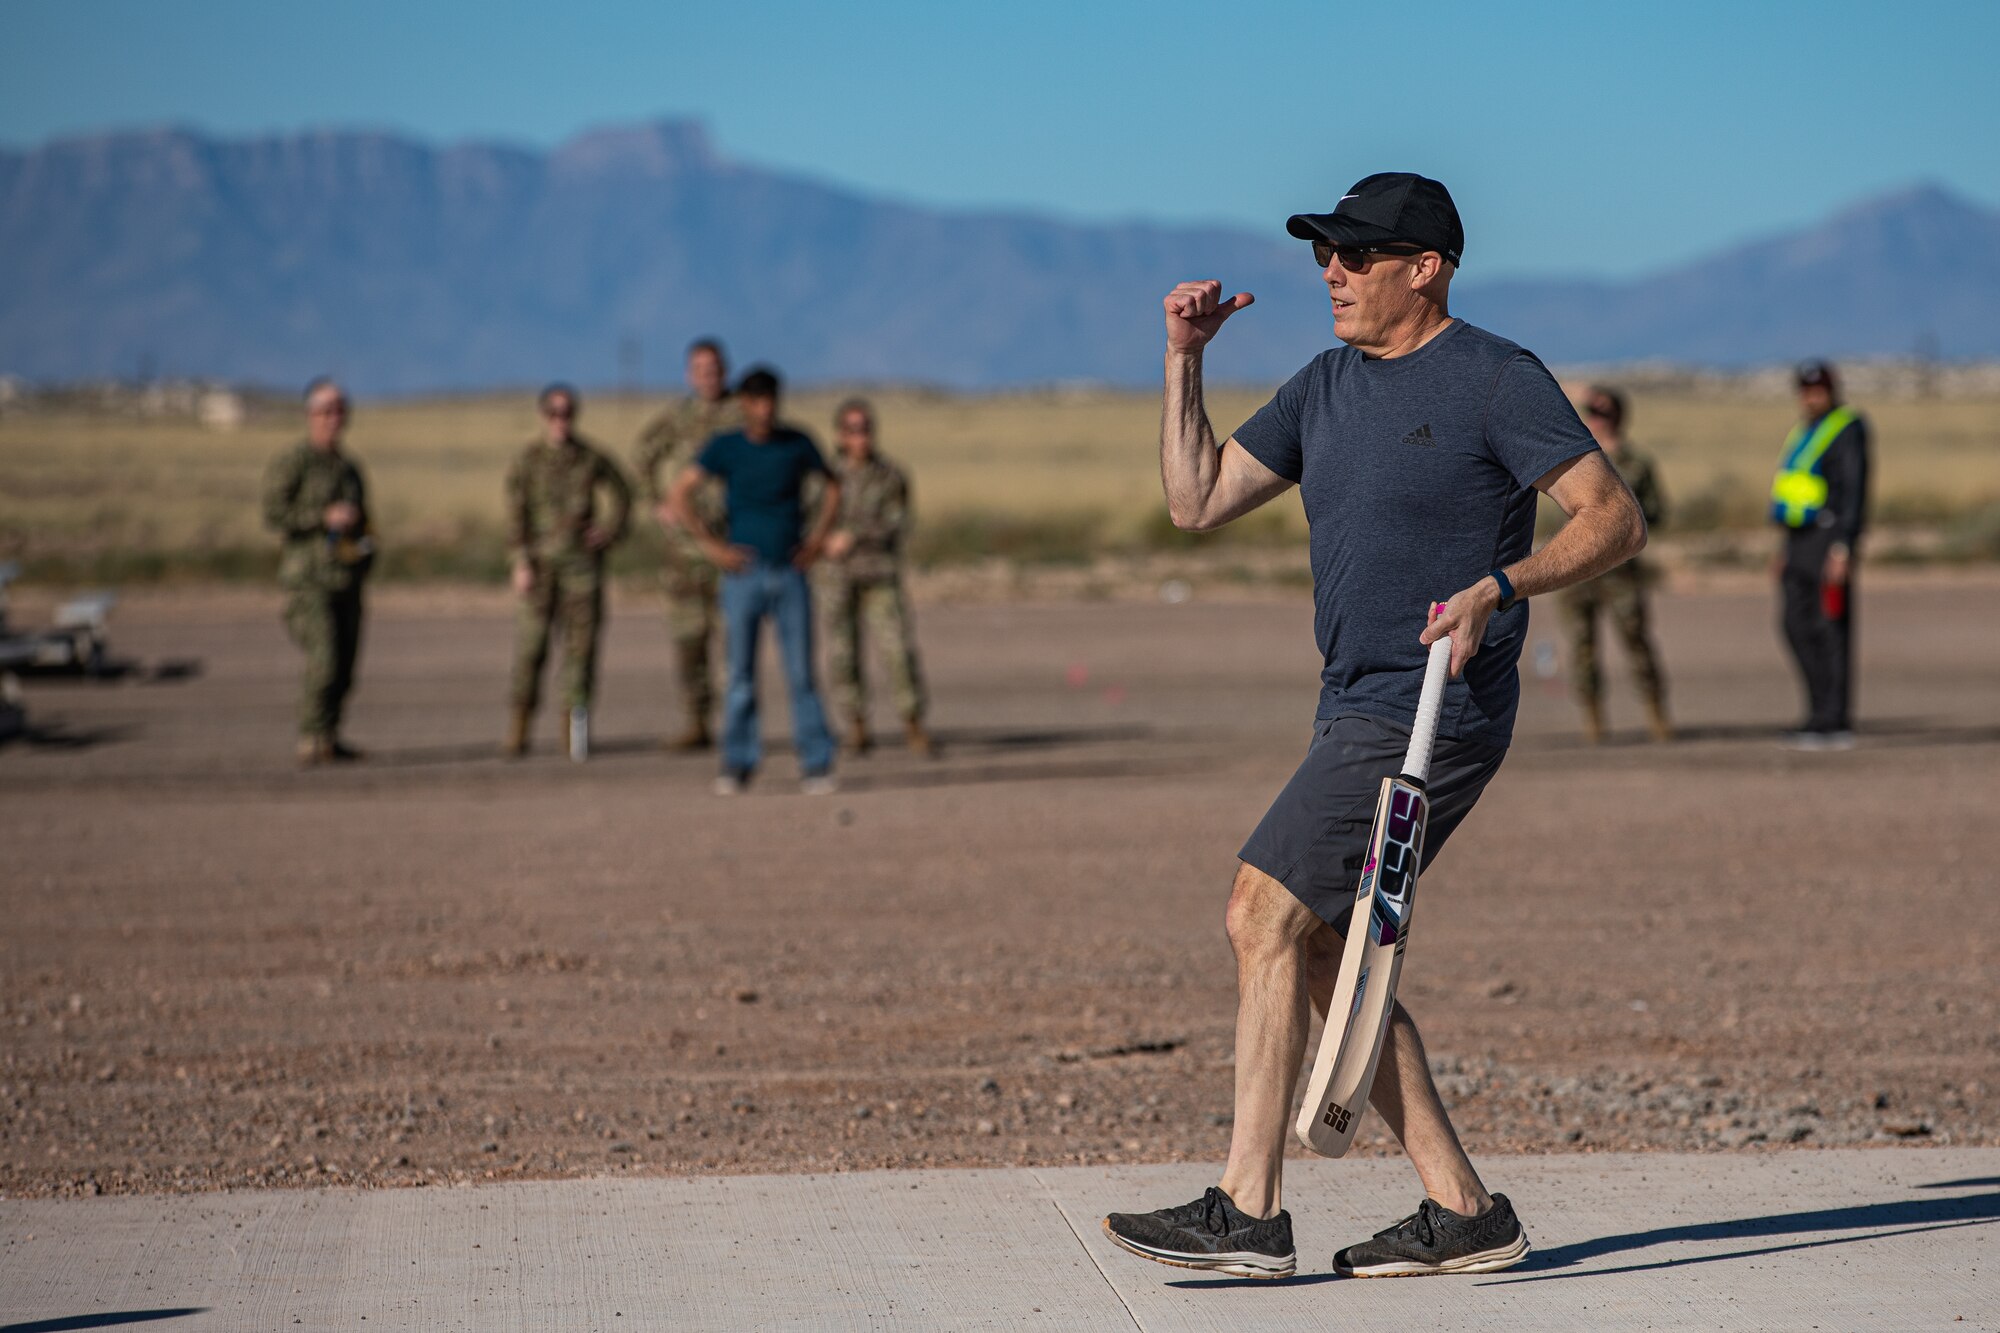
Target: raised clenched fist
{"x": 1195, "y": 310}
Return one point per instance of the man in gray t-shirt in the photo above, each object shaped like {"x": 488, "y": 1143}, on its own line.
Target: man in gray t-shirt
{"x": 1418, "y": 447}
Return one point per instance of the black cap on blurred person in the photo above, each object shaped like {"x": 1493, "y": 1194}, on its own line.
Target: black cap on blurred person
{"x": 1601, "y": 400}
{"x": 1386, "y": 207}
{"x": 1812, "y": 373}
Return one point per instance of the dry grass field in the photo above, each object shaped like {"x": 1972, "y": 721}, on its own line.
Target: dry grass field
{"x": 1044, "y": 475}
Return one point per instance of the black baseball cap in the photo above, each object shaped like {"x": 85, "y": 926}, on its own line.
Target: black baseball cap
{"x": 1386, "y": 207}
{"x": 1814, "y": 372}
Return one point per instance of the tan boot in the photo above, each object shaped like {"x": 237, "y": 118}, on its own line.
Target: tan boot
{"x": 920, "y": 740}
{"x": 1593, "y": 723}
{"x": 857, "y": 736}
{"x": 1656, "y": 720}
{"x": 691, "y": 657}
{"x": 516, "y": 743}
{"x": 694, "y": 736}
{"x": 314, "y": 750}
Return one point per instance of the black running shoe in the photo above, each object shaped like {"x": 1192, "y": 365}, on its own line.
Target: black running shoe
{"x": 1434, "y": 1239}
{"x": 1212, "y": 1233}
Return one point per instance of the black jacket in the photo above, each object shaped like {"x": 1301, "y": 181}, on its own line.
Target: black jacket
{"x": 1844, "y": 516}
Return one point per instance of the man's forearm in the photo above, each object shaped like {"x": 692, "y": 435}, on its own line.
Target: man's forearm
{"x": 286, "y": 512}
{"x": 618, "y": 505}
{"x": 1189, "y": 461}
{"x": 1593, "y": 541}
{"x": 646, "y": 466}
{"x": 684, "y": 513}
{"x": 829, "y": 514}
{"x": 1605, "y": 529}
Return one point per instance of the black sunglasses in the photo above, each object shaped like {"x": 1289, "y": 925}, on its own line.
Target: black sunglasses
{"x": 1355, "y": 258}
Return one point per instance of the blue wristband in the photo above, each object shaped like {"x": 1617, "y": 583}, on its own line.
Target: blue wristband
{"x": 1506, "y": 589}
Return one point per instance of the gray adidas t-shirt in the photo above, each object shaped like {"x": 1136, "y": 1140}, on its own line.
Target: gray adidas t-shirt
{"x": 1417, "y": 474}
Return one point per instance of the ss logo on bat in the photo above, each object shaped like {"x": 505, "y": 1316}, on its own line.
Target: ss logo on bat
{"x": 1398, "y": 870}
{"x": 1399, "y": 848}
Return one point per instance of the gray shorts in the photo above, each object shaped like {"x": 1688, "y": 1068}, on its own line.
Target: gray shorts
{"x": 1315, "y": 834}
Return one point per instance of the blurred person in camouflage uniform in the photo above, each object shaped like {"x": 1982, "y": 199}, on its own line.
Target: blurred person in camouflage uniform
{"x": 315, "y": 500}
{"x": 863, "y": 578}
{"x": 689, "y": 580}
{"x": 1621, "y": 591}
{"x": 558, "y": 537}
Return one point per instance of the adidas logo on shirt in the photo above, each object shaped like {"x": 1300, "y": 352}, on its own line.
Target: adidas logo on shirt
{"x": 1421, "y": 435}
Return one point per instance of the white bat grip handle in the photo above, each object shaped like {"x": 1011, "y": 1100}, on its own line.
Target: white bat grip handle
{"x": 1417, "y": 763}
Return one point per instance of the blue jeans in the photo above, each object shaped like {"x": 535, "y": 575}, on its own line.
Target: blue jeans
{"x": 782, "y": 593}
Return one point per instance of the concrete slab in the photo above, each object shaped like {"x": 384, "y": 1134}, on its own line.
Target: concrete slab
{"x": 1832, "y": 1240}
{"x": 1892, "y": 1239}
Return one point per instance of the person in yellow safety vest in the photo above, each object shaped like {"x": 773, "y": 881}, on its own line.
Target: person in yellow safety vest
{"x": 1820, "y": 500}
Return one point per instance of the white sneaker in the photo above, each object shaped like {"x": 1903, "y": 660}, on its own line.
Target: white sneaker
{"x": 819, "y": 784}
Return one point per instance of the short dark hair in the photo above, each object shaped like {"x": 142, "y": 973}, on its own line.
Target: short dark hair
{"x": 713, "y": 345}
{"x": 1603, "y": 395}
{"x": 855, "y": 404}
{"x": 318, "y": 382}
{"x": 551, "y": 390}
{"x": 758, "y": 382}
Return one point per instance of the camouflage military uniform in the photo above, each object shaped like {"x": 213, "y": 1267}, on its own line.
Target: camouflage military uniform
{"x": 552, "y": 495}
{"x": 689, "y": 581}
{"x": 868, "y": 586}
{"x": 1621, "y": 592}
{"x": 321, "y": 574}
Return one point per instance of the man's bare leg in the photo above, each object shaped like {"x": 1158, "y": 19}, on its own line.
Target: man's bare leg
{"x": 1246, "y": 1233}
{"x": 1405, "y": 1095}
{"x": 1268, "y": 929}
{"x": 1407, "y": 1099}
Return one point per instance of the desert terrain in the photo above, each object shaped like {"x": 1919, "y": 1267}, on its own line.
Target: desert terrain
{"x": 218, "y": 971}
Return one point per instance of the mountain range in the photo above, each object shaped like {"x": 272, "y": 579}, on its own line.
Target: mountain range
{"x": 407, "y": 267}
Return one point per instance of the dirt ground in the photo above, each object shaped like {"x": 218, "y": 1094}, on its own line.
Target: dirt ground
{"x": 437, "y": 966}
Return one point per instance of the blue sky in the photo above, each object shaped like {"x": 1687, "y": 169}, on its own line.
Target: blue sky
{"x": 1607, "y": 138}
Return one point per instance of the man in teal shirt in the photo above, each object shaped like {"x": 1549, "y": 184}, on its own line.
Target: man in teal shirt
{"x": 764, "y": 561}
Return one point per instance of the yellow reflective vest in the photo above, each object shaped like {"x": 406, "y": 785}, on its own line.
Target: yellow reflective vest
{"x": 1799, "y": 491}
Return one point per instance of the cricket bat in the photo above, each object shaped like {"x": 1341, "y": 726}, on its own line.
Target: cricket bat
{"x": 1357, "y": 1017}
